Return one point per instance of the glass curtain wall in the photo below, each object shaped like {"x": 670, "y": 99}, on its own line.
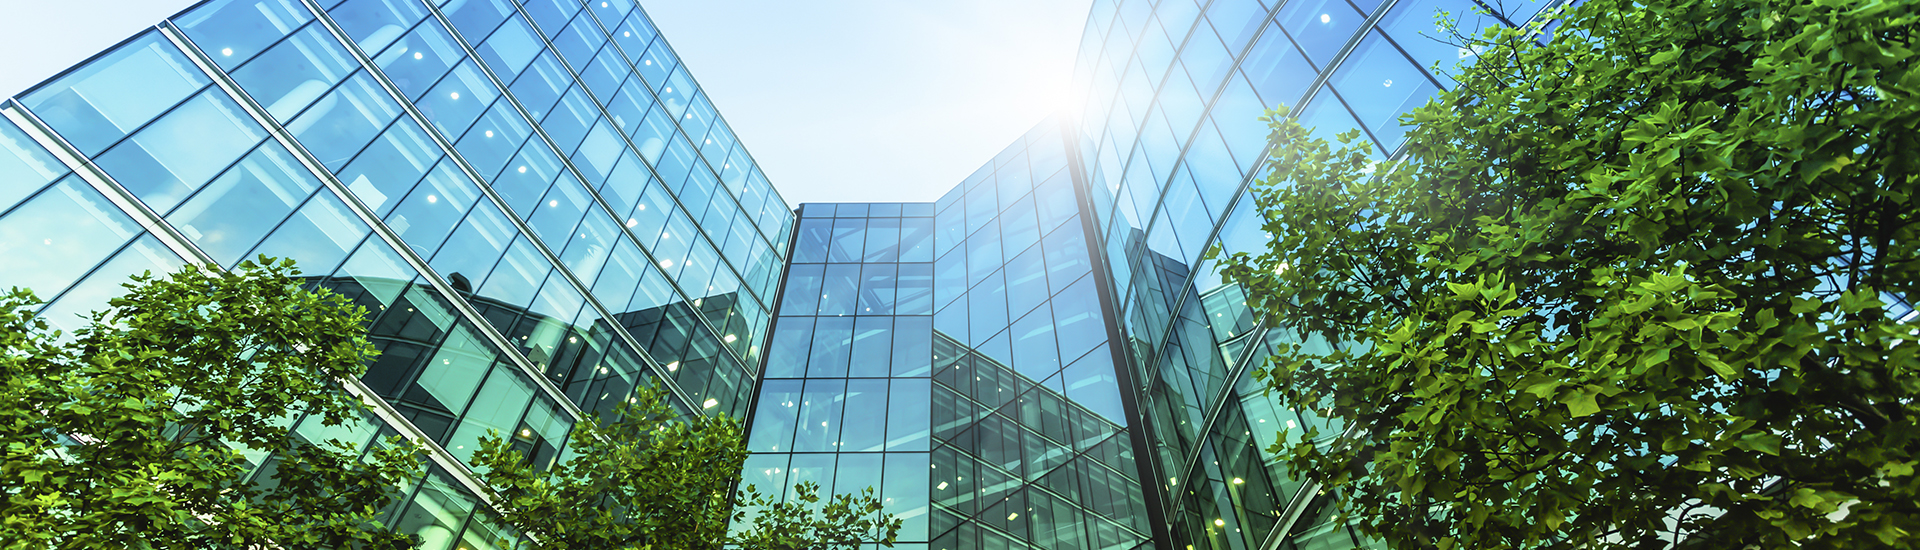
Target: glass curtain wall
{"x": 1036, "y": 438}
{"x": 981, "y": 337}
{"x": 844, "y": 403}
{"x": 1167, "y": 139}
{"x": 536, "y": 203}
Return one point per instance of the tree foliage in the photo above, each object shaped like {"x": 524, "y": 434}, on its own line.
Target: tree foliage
{"x": 1631, "y": 285}
{"x": 130, "y": 433}
{"x": 653, "y": 479}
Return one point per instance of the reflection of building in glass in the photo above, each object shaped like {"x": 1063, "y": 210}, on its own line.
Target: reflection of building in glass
{"x": 975, "y": 324}
{"x": 1166, "y": 140}
{"x": 1020, "y": 464}
{"x": 541, "y": 210}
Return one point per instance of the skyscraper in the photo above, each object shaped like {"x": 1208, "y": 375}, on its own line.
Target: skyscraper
{"x": 1167, "y": 141}
{"x": 536, "y": 202}
{"x": 542, "y": 210}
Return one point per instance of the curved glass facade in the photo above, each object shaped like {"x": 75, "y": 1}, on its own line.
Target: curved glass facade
{"x": 1168, "y": 140}
{"x": 536, "y": 203}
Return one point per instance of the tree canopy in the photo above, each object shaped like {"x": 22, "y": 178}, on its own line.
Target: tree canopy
{"x": 1635, "y": 283}
{"x": 655, "y": 479}
{"x": 136, "y": 431}
{"x": 149, "y": 427}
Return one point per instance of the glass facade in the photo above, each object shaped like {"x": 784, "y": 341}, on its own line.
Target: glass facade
{"x": 534, "y": 200}
{"x": 541, "y": 210}
{"x": 1167, "y": 140}
{"x": 975, "y": 324}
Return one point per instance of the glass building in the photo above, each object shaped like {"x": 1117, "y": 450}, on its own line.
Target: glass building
{"x": 535, "y": 201}
{"x": 975, "y": 324}
{"x": 1167, "y": 141}
{"x": 541, "y": 210}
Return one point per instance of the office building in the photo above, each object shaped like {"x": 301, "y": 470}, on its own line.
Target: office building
{"x": 541, "y": 210}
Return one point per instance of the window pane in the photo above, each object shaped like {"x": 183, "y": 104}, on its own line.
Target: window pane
{"x": 765, "y": 472}
{"x": 375, "y": 23}
{"x": 872, "y": 338}
{"x": 908, "y": 413}
{"x": 915, "y": 290}
{"x": 832, "y": 347}
{"x": 291, "y": 75}
{"x": 816, "y": 468}
{"x": 773, "y": 426}
{"x": 117, "y": 93}
{"x": 820, "y": 410}
{"x": 476, "y": 18}
{"x": 883, "y": 240}
{"x": 859, "y": 471}
{"x": 814, "y": 236}
{"x": 450, "y": 379}
{"x": 906, "y": 493}
{"x": 24, "y": 165}
{"x": 174, "y": 156}
{"x": 57, "y": 236}
{"x": 383, "y": 173}
{"x": 1077, "y": 318}
{"x": 428, "y": 213}
{"x": 458, "y": 100}
{"x": 840, "y": 289}
{"x": 491, "y": 143}
{"x": 1026, "y": 281}
{"x": 232, "y": 31}
{"x": 475, "y": 246}
{"x": 803, "y": 290}
{"x": 1091, "y": 382}
{"x": 1034, "y": 353}
{"x": 912, "y": 346}
{"x": 916, "y": 239}
{"x": 876, "y": 289}
{"x": 1381, "y": 84}
{"x": 848, "y": 240}
{"x": 510, "y": 48}
{"x": 1320, "y": 26}
{"x": 318, "y": 236}
{"x": 235, "y": 211}
{"x": 337, "y": 126}
{"x": 787, "y": 354}
{"x": 863, "y": 430}
{"x": 1067, "y": 257}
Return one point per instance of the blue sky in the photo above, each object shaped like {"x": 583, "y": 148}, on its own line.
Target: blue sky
{"x": 839, "y": 100}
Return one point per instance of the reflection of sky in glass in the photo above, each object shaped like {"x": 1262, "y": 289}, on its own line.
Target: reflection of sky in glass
{"x": 989, "y": 292}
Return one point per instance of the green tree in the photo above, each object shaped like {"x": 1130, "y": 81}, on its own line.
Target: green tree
{"x": 130, "y": 432}
{"x": 1630, "y": 285}
{"x": 654, "y": 479}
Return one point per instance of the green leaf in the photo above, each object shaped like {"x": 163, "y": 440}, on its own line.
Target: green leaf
{"x": 1580, "y": 402}
{"x": 1807, "y": 498}
{"x": 1762, "y": 442}
{"x": 1897, "y": 469}
{"x": 1544, "y": 388}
